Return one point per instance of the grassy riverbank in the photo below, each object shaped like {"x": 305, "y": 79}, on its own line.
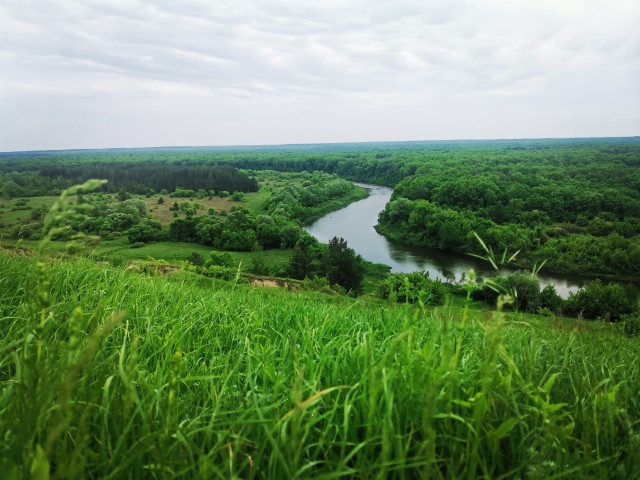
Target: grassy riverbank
{"x": 109, "y": 373}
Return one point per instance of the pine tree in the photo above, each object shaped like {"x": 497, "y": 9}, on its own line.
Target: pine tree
{"x": 342, "y": 266}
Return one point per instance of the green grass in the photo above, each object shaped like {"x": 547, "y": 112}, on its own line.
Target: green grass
{"x": 107, "y": 373}
{"x": 10, "y": 218}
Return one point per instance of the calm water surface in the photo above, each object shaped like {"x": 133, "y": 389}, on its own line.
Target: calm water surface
{"x": 355, "y": 224}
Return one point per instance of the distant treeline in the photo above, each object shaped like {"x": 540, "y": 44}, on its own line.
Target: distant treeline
{"x": 139, "y": 177}
{"x": 132, "y": 176}
{"x": 383, "y": 163}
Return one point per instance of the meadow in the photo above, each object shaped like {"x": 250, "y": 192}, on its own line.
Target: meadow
{"x": 110, "y": 373}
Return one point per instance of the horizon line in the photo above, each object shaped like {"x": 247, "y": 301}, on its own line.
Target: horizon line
{"x": 285, "y": 145}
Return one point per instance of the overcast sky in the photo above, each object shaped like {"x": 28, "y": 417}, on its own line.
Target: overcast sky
{"x": 130, "y": 73}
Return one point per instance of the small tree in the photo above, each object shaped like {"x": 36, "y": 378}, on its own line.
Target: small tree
{"x": 122, "y": 195}
{"x": 196, "y": 259}
{"x": 342, "y": 266}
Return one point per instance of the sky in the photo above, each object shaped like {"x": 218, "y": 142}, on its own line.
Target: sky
{"x": 132, "y": 73}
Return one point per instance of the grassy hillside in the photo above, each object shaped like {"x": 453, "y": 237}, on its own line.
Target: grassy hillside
{"x": 107, "y": 373}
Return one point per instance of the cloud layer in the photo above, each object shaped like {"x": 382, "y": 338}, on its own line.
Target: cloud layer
{"x": 134, "y": 73}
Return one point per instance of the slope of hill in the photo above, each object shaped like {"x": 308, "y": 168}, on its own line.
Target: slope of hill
{"x": 109, "y": 373}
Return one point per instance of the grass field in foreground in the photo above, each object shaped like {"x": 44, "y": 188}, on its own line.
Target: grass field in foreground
{"x": 106, "y": 373}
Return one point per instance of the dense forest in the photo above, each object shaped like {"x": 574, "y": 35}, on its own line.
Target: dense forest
{"x": 580, "y": 213}
{"x": 573, "y": 203}
{"x": 132, "y": 176}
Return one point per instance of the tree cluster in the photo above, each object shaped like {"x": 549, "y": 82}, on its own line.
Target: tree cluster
{"x": 596, "y": 300}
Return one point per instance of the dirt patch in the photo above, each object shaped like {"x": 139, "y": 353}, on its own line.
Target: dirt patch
{"x": 13, "y": 251}
{"x": 268, "y": 282}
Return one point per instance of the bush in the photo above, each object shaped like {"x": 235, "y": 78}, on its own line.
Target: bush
{"x": 183, "y": 193}
{"x": 196, "y": 259}
{"x": 223, "y": 259}
{"x": 522, "y": 286}
{"x": 525, "y": 288}
{"x": 550, "y": 300}
{"x": 631, "y": 323}
{"x": 223, "y": 273}
{"x": 74, "y": 247}
{"x": 597, "y": 300}
{"x": 259, "y": 266}
{"x": 411, "y": 287}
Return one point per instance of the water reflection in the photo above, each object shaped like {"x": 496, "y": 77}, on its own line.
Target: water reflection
{"x": 355, "y": 223}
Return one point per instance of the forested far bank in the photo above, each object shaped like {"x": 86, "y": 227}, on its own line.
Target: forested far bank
{"x": 580, "y": 215}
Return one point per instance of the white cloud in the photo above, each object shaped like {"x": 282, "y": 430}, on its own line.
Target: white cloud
{"x": 380, "y": 63}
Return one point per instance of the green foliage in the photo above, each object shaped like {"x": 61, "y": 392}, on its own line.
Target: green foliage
{"x": 341, "y": 266}
{"x": 259, "y": 266}
{"x": 599, "y": 300}
{"x": 550, "y": 300}
{"x": 413, "y": 287}
{"x": 238, "y": 197}
{"x": 631, "y": 323}
{"x": 305, "y": 204}
{"x": 525, "y": 288}
{"x": 144, "y": 232}
{"x": 196, "y": 259}
{"x": 289, "y": 236}
{"x": 222, "y": 259}
{"x": 523, "y": 291}
{"x": 180, "y": 192}
{"x": 301, "y": 264}
{"x": 123, "y": 195}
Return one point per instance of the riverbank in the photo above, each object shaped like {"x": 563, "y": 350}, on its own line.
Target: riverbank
{"x": 357, "y": 224}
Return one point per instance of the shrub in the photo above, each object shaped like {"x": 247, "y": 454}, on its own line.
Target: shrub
{"x": 196, "y": 259}
{"x": 597, "y": 300}
{"x": 259, "y": 266}
{"x": 411, "y": 287}
{"x": 631, "y": 323}
{"x": 223, "y": 259}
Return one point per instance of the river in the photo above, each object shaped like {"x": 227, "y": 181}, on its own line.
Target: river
{"x": 355, "y": 223}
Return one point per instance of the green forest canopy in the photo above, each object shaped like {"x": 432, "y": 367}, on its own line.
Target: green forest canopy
{"x": 572, "y": 202}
